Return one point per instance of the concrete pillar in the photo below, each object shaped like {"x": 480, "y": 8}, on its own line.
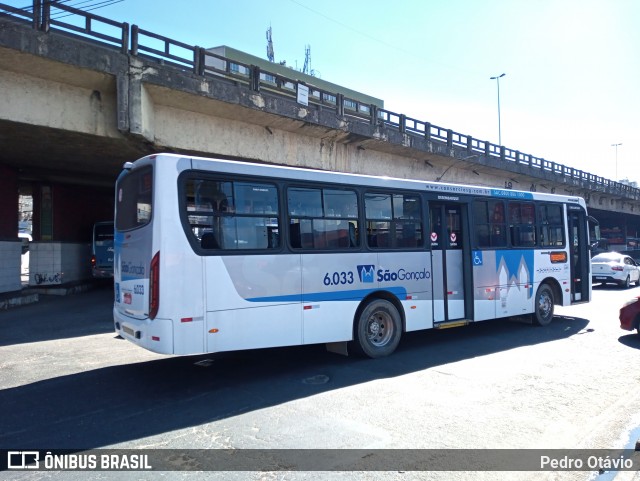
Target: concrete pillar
{"x": 10, "y": 245}
{"x": 63, "y": 219}
{"x": 8, "y": 202}
{"x": 134, "y": 99}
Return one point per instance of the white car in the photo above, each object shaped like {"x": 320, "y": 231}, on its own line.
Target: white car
{"x": 614, "y": 267}
{"x": 25, "y": 238}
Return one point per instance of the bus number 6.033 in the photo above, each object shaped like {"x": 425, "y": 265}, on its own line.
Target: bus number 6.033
{"x": 337, "y": 278}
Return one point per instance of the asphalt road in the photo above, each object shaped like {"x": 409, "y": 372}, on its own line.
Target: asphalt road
{"x": 67, "y": 382}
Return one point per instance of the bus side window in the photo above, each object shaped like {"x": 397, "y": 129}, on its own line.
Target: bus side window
{"x": 489, "y": 223}
{"x": 550, "y": 225}
{"x": 322, "y": 218}
{"x": 393, "y": 221}
{"x": 232, "y": 215}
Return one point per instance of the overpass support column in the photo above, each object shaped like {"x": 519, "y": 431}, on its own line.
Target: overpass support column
{"x": 10, "y": 245}
{"x": 136, "y": 110}
{"x": 63, "y": 219}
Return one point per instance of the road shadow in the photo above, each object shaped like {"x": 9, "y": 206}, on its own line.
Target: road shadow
{"x": 59, "y": 317}
{"x": 630, "y": 340}
{"x": 613, "y": 287}
{"x": 111, "y": 405}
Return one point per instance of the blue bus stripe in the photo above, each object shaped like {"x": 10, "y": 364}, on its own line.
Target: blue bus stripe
{"x": 352, "y": 295}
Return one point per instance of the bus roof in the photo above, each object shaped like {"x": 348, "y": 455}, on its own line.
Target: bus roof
{"x": 445, "y": 191}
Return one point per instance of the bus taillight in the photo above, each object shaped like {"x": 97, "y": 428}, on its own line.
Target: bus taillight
{"x": 154, "y": 286}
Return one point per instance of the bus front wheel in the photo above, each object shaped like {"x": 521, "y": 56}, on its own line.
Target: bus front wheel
{"x": 378, "y": 329}
{"x": 543, "y": 306}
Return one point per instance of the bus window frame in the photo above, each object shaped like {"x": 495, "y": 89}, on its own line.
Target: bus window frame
{"x": 423, "y": 218}
{"x": 194, "y": 242}
{"x": 538, "y": 225}
{"x": 287, "y": 217}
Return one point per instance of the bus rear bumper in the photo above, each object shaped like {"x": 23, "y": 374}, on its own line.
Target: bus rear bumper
{"x": 102, "y": 273}
{"x": 154, "y": 335}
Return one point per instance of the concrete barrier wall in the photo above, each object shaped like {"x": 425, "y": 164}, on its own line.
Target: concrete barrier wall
{"x": 55, "y": 263}
{"x": 10, "y": 252}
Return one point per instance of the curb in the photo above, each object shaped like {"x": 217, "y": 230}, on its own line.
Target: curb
{"x": 30, "y": 295}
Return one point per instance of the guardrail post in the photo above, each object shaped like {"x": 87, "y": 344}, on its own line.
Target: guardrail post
{"x": 402, "y": 126}
{"x": 469, "y": 143}
{"x": 449, "y": 138}
{"x": 37, "y": 13}
{"x": 427, "y": 130}
{"x": 373, "y": 110}
{"x": 134, "y": 40}
{"x": 487, "y": 148}
{"x": 197, "y": 60}
{"x": 503, "y": 152}
{"x": 46, "y": 16}
{"x": 203, "y": 60}
{"x": 124, "y": 47}
{"x": 340, "y": 105}
{"x": 255, "y": 78}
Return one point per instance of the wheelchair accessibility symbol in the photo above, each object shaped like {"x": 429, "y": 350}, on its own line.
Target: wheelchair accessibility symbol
{"x": 477, "y": 258}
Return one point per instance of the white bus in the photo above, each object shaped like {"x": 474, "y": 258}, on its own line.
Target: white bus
{"x": 216, "y": 255}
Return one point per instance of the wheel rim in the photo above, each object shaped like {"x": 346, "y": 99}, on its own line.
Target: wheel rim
{"x": 379, "y": 328}
{"x": 544, "y": 305}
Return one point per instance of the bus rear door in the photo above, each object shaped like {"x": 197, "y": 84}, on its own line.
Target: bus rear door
{"x": 451, "y": 279}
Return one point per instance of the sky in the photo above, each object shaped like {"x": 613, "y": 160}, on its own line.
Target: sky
{"x": 572, "y": 67}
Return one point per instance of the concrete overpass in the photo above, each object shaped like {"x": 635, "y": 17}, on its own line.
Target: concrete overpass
{"x": 82, "y": 94}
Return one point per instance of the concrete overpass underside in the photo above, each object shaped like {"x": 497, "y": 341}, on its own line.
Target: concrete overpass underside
{"x": 73, "y": 111}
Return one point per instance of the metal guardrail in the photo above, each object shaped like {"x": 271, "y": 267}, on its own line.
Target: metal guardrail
{"x": 46, "y": 14}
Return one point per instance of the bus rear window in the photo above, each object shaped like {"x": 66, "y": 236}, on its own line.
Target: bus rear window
{"x": 103, "y": 232}
{"x": 134, "y": 199}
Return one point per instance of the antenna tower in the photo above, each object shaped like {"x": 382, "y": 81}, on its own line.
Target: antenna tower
{"x": 307, "y": 59}
{"x": 270, "y": 55}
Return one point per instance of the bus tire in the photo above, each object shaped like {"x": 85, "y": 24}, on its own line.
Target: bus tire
{"x": 378, "y": 329}
{"x": 543, "y": 313}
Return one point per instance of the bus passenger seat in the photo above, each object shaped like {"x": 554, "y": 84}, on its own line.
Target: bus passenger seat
{"x": 209, "y": 241}
{"x": 353, "y": 242}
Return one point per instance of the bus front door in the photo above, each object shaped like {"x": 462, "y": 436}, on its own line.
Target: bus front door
{"x": 447, "y": 247}
{"x": 579, "y": 252}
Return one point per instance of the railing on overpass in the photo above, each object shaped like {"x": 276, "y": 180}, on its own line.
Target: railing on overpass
{"x": 46, "y": 14}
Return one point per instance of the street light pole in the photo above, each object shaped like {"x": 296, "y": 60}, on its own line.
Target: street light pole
{"x": 616, "y": 146}
{"x": 497, "y": 79}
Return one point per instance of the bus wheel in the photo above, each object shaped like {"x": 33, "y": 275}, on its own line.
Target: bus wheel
{"x": 378, "y": 329}
{"x": 543, "y": 306}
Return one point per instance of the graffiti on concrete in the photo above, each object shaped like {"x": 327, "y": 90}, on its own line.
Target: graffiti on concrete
{"x": 46, "y": 278}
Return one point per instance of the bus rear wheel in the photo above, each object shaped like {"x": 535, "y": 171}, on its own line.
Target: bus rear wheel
{"x": 378, "y": 329}
{"x": 543, "y": 306}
